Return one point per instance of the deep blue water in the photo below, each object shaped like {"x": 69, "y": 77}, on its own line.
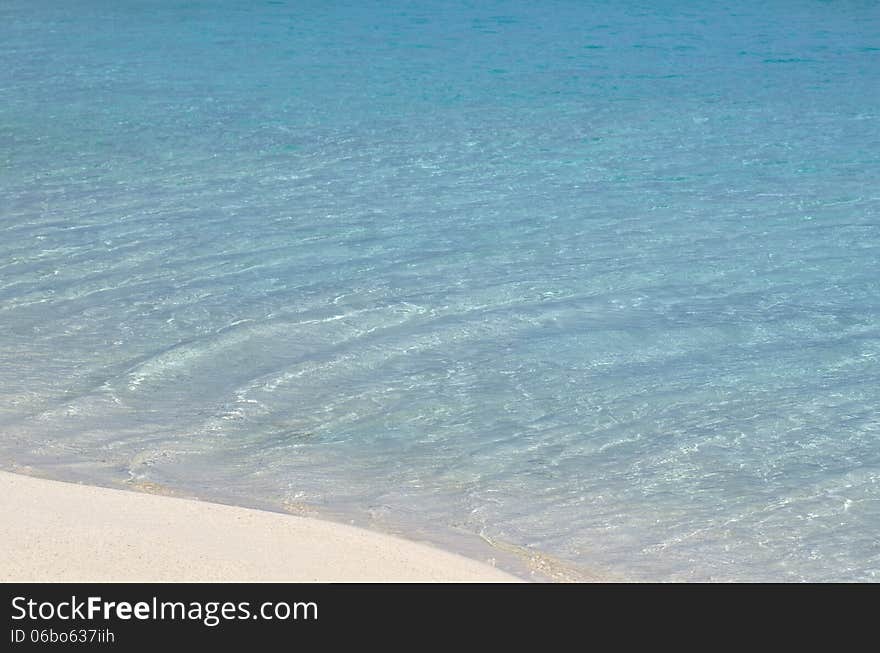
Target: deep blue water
{"x": 600, "y": 280}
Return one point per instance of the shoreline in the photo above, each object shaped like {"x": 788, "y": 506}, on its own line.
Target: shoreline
{"x": 56, "y": 531}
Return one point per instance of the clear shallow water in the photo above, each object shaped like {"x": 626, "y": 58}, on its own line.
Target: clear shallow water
{"x": 595, "y": 279}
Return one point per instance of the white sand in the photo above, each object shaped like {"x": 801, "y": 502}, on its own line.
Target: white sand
{"x": 51, "y": 531}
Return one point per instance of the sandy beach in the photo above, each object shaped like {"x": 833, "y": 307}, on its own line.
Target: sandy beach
{"x": 52, "y": 532}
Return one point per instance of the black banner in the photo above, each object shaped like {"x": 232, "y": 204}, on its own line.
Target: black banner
{"x": 156, "y": 616}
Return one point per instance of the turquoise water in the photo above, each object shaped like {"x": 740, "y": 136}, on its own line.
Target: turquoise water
{"x": 595, "y": 279}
